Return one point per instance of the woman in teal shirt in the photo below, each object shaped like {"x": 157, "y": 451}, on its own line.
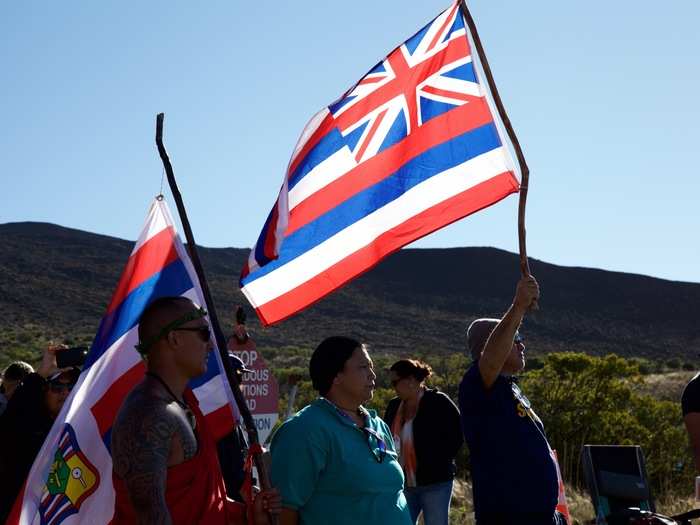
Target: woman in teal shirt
{"x": 334, "y": 461}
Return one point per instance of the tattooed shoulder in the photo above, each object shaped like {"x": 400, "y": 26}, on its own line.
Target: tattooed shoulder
{"x": 142, "y": 433}
{"x": 141, "y": 442}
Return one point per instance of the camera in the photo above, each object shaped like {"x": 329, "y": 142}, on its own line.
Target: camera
{"x": 71, "y": 356}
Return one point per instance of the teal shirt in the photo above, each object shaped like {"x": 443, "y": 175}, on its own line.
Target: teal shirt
{"x": 324, "y": 468}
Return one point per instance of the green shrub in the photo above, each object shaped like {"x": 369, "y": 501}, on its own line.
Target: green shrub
{"x": 592, "y": 400}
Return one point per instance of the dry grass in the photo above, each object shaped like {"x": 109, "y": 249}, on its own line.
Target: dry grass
{"x": 672, "y": 506}
{"x": 666, "y": 387}
{"x": 462, "y": 509}
{"x": 580, "y": 506}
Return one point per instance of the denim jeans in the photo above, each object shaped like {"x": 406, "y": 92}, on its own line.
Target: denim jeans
{"x": 433, "y": 500}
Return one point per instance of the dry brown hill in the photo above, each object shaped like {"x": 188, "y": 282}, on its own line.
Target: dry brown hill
{"x": 55, "y": 282}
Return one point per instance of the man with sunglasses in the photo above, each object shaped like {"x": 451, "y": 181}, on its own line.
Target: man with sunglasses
{"x": 30, "y": 413}
{"x": 513, "y": 470}
{"x": 165, "y": 467}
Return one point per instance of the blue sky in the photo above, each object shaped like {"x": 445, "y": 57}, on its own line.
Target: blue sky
{"x": 603, "y": 96}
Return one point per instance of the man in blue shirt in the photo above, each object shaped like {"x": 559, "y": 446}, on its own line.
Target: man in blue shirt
{"x": 513, "y": 471}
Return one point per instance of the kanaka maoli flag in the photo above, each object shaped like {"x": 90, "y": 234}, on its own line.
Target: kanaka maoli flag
{"x": 412, "y": 147}
{"x": 71, "y": 479}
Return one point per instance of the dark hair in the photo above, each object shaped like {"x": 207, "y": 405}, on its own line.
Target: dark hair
{"x": 328, "y": 360}
{"x": 412, "y": 368}
{"x": 17, "y": 371}
{"x": 151, "y": 321}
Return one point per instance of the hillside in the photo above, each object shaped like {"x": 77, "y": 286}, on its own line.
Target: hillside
{"x": 55, "y": 283}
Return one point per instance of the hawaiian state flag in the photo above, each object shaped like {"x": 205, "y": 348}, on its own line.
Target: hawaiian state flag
{"x": 71, "y": 479}
{"x": 412, "y": 147}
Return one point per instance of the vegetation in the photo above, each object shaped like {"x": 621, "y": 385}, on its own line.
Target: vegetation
{"x": 55, "y": 284}
{"x": 581, "y": 399}
{"x": 592, "y": 400}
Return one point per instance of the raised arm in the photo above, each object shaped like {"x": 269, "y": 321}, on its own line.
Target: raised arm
{"x": 141, "y": 440}
{"x": 500, "y": 342}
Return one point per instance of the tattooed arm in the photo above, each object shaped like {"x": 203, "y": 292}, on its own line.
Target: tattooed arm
{"x": 141, "y": 445}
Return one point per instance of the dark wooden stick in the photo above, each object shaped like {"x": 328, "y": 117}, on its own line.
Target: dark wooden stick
{"x": 218, "y": 333}
{"x": 524, "y": 170}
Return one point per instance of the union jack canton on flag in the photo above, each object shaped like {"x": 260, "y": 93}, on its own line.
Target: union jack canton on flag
{"x": 412, "y": 147}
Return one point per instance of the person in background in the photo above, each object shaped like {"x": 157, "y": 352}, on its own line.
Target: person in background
{"x": 334, "y": 462}
{"x": 513, "y": 470}
{"x": 233, "y": 447}
{"x": 11, "y": 378}
{"x": 30, "y": 413}
{"x": 690, "y": 404}
{"x": 427, "y": 434}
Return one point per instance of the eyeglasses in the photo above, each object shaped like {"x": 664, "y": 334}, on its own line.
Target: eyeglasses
{"x": 202, "y": 331}
{"x": 381, "y": 444}
{"x": 58, "y": 387}
{"x": 518, "y": 339}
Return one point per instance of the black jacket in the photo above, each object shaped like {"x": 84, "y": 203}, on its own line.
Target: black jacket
{"x": 232, "y": 450}
{"x": 23, "y": 428}
{"x": 437, "y": 436}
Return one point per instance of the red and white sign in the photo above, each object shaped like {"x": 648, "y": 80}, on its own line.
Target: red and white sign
{"x": 259, "y": 386}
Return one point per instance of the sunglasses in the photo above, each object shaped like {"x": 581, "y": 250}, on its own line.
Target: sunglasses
{"x": 57, "y": 387}
{"x": 144, "y": 346}
{"x": 381, "y": 444}
{"x": 202, "y": 331}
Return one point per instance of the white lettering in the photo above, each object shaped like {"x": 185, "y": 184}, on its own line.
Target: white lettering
{"x": 255, "y": 390}
{"x": 244, "y": 355}
{"x": 263, "y": 423}
{"x": 259, "y": 375}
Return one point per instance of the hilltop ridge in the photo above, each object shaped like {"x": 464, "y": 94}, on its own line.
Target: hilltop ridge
{"x": 55, "y": 282}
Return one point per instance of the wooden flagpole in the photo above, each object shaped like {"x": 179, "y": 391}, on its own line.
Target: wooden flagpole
{"x": 216, "y": 326}
{"x": 524, "y": 170}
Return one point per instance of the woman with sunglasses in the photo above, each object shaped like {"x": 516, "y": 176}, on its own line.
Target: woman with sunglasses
{"x": 334, "y": 462}
{"x": 27, "y": 421}
{"x": 427, "y": 433}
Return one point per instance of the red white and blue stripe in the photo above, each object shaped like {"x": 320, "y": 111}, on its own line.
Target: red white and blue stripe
{"x": 412, "y": 147}
{"x": 158, "y": 266}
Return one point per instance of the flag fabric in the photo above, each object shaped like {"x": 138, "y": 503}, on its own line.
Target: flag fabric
{"x": 410, "y": 148}
{"x": 71, "y": 479}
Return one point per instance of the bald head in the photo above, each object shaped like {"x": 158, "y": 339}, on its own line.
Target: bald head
{"x": 161, "y": 313}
